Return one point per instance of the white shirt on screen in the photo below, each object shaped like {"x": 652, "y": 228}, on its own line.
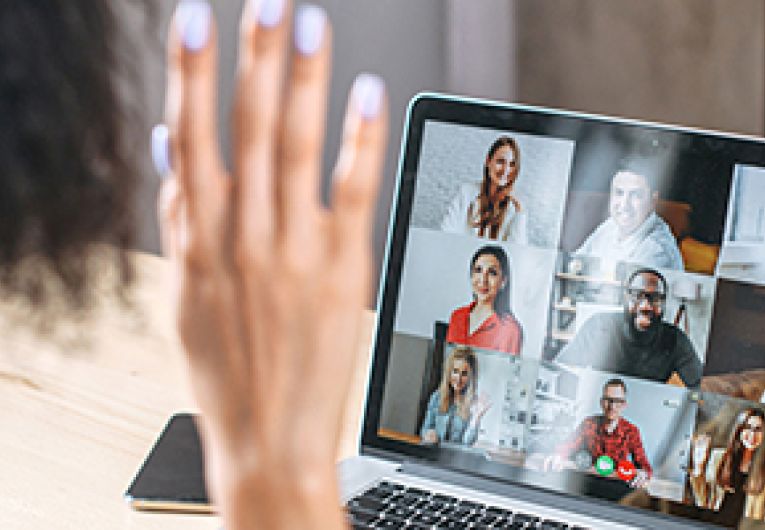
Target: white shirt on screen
{"x": 652, "y": 244}
{"x": 456, "y": 220}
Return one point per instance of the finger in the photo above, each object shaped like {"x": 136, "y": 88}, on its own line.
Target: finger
{"x": 346, "y": 281}
{"x": 191, "y": 114}
{"x": 262, "y": 58}
{"x": 302, "y": 135}
{"x": 359, "y": 166}
{"x": 169, "y": 206}
{"x": 168, "y": 198}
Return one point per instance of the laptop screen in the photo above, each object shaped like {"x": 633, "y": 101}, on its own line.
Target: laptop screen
{"x": 577, "y": 303}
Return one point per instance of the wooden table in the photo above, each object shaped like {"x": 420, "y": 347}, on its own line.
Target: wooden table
{"x": 79, "y": 411}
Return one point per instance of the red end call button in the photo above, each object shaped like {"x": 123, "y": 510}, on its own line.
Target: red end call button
{"x": 625, "y": 470}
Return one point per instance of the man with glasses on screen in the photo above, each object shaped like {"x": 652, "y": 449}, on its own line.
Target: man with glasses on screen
{"x": 633, "y": 231}
{"x": 636, "y": 342}
{"x": 607, "y": 441}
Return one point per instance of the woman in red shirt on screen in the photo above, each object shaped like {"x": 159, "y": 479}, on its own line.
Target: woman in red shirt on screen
{"x": 488, "y": 322}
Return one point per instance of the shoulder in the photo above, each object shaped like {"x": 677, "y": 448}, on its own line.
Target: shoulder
{"x": 591, "y": 421}
{"x": 435, "y": 399}
{"x": 659, "y": 238}
{"x": 600, "y": 237}
{"x": 589, "y": 425}
{"x": 469, "y": 190}
{"x": 466, "y": 193}
{"x": 603, "y": 229}
{"x": 461, "y": 311}
{"x": 602, "y": 323}
{"x": 675, "y": 338}
{"x": 509, "y": 320}
{"x": 659, "y": 227}
{"x": 629, "y": 427}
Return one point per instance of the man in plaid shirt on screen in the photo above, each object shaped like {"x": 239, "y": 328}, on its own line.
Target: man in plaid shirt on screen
{"x": 611, "y": 435}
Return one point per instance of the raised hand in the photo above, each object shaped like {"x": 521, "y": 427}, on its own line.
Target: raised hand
{"x": 270, "y": 284}
{"x": 479, "y": 407}
{"x": 700, "y": 447}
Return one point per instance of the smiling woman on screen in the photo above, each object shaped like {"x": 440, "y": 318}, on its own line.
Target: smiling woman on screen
{"x": 488, "y": 322}
{"x": 488, "y": 209}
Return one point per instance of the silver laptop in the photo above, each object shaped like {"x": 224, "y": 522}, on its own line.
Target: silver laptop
{"x": 568, "y": 329}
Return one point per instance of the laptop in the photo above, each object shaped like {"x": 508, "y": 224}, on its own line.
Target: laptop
{"x": 568, "y": 327}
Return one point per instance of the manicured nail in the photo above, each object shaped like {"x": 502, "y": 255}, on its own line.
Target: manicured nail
{"x": 270, "y": 12}
{"x": 193, "y": 19}
{"x": 368, "y": 90}
{"x": 160, "y": 149}
{"x": 309, "y": 28}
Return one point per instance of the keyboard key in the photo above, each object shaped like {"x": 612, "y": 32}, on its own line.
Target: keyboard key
{"x": 485, "y": 520}
{"x": 525, "y": 518}
{"x": 390, "y": 523}
{"x": 361, "y": 518}
{"x": 401, "y": 512}
{"x": 444, "y": 499}
{"x": 552, "y": 525}
{"x": 426, "y": 518}
{"x": 367, "y": 503}
{"x": 498, "y": 512}
{"x": 471, "y": 505}
{"x": 380, "y": 493}
{"x": 473, "y": 517}
{"x": 391, "y": 486}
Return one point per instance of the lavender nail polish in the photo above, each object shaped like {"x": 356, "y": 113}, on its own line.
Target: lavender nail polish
{"x": 368, "y": 91}
{"x": 310, "y": 22}
{"x": 193, "y": 18}
{"x": 160, "y": 149}
{"x": 270, "y": 12}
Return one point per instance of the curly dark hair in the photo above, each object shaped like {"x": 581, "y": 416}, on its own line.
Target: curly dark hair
{"x": 67, "y": 169}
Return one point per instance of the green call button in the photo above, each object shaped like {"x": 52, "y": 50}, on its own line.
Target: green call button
{"x": 604, "y": 465}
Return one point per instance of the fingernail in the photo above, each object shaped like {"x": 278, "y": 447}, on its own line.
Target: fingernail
{"x": 368, "y": 90}
{"x": 270, "y": 12}
{"x": 309, "y": 28}
{"x": 193, "y": 19}
{"x": 160, "y": 149}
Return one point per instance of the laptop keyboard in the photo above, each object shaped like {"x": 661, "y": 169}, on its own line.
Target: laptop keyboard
{"x": 391, "y": 505}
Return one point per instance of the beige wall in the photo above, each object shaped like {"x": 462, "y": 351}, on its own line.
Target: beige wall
{"x": 697, "y": 62}
{"x": 400, "y": 39}
{"x": 694, "y": 62}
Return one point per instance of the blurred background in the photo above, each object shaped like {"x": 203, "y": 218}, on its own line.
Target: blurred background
{"x": 691, "y": 62}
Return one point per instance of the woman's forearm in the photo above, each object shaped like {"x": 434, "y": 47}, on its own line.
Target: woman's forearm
{"x": 273, "y": 499}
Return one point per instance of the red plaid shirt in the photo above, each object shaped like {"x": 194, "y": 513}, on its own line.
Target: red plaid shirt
{"x": 623, "y": 443}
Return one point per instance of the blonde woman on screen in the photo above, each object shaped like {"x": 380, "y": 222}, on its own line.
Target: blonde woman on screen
{"x": 455, "y": 409}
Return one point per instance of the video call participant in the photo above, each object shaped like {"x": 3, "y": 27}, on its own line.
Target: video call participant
{"x": 488, "y": 322}
{"x": 488, "y": 208}
{"x": 731, "y": 479}
{"x": 611, "y": 435}
{"x": 633, "y": 232}
{"x": 637, "y": 342}
{"x": 455, "y": 410}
